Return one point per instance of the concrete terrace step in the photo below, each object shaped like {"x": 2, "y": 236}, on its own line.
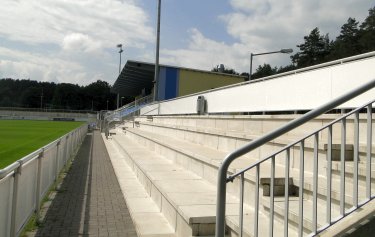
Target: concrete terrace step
{"x": 202, "y": 153}
{"x": 187, "y": 201}
{"x": 145, "y": 213}
{"x": 228, "y": 141}
{"x": 294, "y": 212}
{"x": 265, "y": 170}
{"x": 240, "y": 135}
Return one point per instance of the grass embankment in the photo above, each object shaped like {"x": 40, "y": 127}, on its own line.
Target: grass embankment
{"x": 21, "y": 137}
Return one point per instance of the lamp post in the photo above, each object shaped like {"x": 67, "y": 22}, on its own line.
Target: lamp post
{"x": 257, "y": 54}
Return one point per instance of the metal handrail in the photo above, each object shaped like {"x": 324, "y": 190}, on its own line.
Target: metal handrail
{"x": 233, "y": 176}
{"x": 222, "y": 175}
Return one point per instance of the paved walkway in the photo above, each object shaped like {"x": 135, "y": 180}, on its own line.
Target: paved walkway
{"x": 90, "y": 202}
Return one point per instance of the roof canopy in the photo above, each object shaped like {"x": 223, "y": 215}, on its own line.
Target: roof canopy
{"x": 134, "y": 77}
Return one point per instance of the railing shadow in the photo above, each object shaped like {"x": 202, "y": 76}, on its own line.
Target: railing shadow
{"x": 68, "y": 213}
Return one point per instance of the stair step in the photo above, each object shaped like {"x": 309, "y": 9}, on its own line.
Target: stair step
{"x": 186, "y": 200}
{"x": 163, "y": 145}
{"x": 148, "y": 220}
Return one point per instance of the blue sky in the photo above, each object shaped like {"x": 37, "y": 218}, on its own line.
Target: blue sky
{"x": 75, "y": 40}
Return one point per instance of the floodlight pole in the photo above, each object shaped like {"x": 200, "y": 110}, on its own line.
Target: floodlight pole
{"x": 156, "y": 77}
{"x": 119, "y": 71}
{"x": 257, "y": 54}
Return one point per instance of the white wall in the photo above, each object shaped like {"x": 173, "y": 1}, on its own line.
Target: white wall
{"x": 301, "y": 90}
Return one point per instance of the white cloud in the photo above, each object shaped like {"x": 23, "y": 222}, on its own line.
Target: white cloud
{"x": 266, "y": 25}
{"x": 80, "y": 42}
{"x": 24, "y": 65}
{"x": 75, "y": 40}
{"x": 50, "y": 21}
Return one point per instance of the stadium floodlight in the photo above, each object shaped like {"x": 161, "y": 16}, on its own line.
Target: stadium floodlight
{"x": 120, "y": 47}
{"x": 257, "y": 54}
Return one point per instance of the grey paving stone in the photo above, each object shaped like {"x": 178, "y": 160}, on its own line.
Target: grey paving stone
{"x": 89, "y": 201}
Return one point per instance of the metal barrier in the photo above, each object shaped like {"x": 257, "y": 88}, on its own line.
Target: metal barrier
{"x": 126, "y": 112}
{"x": 24, "y": 183}
{"x": 284, "y": 155}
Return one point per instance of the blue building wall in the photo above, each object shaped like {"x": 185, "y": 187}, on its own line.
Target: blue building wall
{"x": 168, "y": 83}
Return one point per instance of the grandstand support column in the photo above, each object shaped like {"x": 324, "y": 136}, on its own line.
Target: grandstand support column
{"x": 118, "y": 100}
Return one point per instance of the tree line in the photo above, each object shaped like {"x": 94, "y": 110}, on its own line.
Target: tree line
{"x": 48, "y": 95}
{"x": 354, "y": 39}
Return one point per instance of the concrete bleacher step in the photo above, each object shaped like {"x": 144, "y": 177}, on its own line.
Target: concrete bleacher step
{"x": 192, "y": 198}
{"x": 185, "y": 132}
{"x": 228, "y": 141}
{"x": 215, "y": 144}
{"x": 171, "y": 142}
{"x": 148, "y": 220}
{"x": 186, "y": 200}
{"x": 186, "y": 148}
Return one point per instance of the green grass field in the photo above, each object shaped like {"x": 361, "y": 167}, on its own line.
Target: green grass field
{"x": 21, "y": 137}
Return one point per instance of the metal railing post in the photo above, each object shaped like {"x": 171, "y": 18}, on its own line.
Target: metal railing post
{"x": 38, "y": 183}
{"x": 369, "y": 149}
{"x": 16, "y": 174}
{"x": 57, "y": 160}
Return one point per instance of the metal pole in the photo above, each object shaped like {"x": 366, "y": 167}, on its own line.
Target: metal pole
{"x": 119, "y": 68}
{"x": 156, "y": 77}
{"x": 251, "y": 65}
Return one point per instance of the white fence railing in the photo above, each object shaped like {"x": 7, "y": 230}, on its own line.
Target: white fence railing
{"x": 24, "y": 183}
{"x": 302, "y": 89}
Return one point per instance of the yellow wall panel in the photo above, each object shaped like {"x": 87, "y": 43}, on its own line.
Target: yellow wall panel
{"x": 195, "y": 81}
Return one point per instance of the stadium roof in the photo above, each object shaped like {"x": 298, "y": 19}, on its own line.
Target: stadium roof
{"x": 136, "y": 76}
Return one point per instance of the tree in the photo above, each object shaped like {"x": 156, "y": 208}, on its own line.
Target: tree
{"x": 347, "y": 43}
{"x": 367, "y": 32}
{"x": 68, "y": 96}
{"x": 313, "y": 51}
{"x": 263, "y": 71}
{"x": 31, "y": 97}
{"x": 287, "y": 68}
{"x": 97, "y": 94}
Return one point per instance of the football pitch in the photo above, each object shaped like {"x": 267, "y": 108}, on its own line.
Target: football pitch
{"x": 21, "y": 137}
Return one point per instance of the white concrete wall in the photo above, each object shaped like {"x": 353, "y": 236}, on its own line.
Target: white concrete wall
{"x": 302, "y": 90}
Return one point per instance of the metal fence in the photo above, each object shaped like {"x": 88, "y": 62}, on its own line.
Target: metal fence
{"x": 24, "y": 183}
{"x": 313, "y": 170}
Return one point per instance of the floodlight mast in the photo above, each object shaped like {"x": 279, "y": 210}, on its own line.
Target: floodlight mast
{"x": 156, "y": 76}
{"x": 119, "y": 71}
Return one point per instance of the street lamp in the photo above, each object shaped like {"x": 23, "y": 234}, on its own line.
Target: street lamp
{"x": 257, "y": 54}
